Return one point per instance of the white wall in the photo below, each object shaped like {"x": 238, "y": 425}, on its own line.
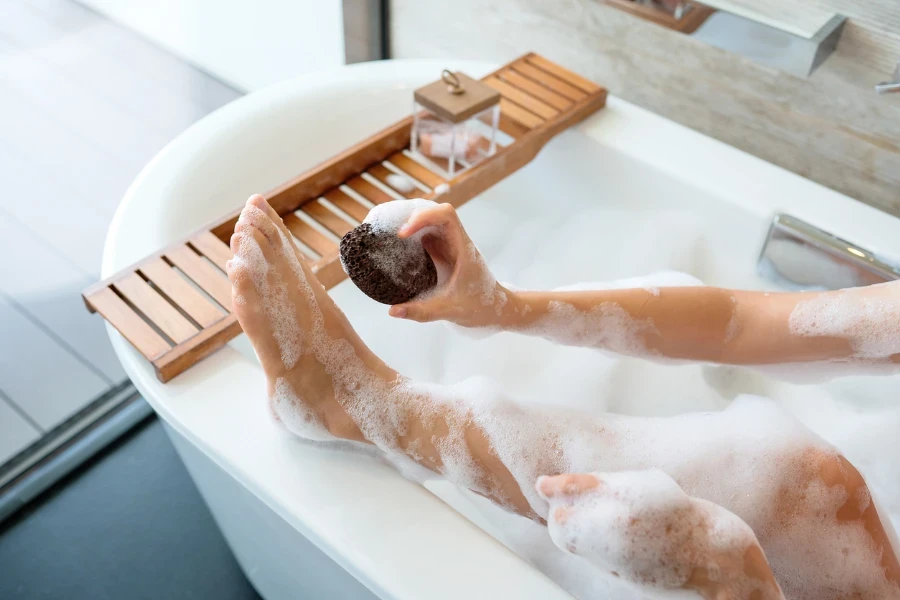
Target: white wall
{"x": 246, "y": 43}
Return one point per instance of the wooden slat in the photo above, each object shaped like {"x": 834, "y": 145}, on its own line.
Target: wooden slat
{"x": 369, "y": 191}
{"x": 328, "y": 270}
{"x": 381, "y": 173}
{"x": 211, "y": 280}
{"x": 346, "y": 203}
{"x": 521, "y": 98}
{"x": 308, "y": 235}
{"x": 130, "y": 325}
{"x": 517, "y": 113}
{"x": 328, "y": 219}
{"x": 156, "y": 308}
{"x": 181, "y": 292}
{"x": 416, "y": 170}
{"x": 186, "y": 355}
{"x": 566, "y": 75}
{"x": 557, "y": 85}
{"x": 306, "y": 252}
{"x": 511, "y": 128}
{"x": 212, "y": 248}
{"x": 536, "y": 89}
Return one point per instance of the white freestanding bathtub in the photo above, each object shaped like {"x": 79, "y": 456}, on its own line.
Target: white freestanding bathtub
{"x": 626, "y": 193}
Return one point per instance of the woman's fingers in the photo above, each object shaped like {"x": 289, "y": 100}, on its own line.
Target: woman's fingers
{"x": 438, "y": 216}
{"x": 566, "y": 485}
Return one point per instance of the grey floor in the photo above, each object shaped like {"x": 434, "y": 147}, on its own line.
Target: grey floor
{"x": 128, "y": 525}
{"x": 84, "y": 104}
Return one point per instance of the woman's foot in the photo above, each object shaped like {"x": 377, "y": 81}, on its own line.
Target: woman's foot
{"x": 315, "y": 364}
{"x": 642, "y": 526}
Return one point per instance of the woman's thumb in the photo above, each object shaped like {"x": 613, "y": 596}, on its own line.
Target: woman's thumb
{"x": 413, "y": 311}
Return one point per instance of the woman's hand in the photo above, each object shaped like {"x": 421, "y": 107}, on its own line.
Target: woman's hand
{"x": 467, "y": 293}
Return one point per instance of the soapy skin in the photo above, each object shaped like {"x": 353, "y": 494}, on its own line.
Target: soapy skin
{"x": 750, "y": 469}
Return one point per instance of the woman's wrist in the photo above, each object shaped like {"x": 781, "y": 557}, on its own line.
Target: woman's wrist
{"x": 513, "y": 313}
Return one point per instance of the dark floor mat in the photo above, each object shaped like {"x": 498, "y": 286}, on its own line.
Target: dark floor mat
{"x": 129, "y": 524}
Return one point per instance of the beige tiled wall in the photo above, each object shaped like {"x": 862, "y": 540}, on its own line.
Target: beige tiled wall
{"x": 831, "y": 127}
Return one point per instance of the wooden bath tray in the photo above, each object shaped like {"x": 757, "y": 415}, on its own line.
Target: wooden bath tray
{"x": 175, "y": 306}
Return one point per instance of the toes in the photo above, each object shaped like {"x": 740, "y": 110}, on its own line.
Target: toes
{"x": 253, "y": 217}
{"x": 262, "y": 204}
{"x": 238, "y": 268}
{"x": 252, "y": 256}
{"x": 566, "y": 485}
{"x": 561, "y": 514}
{"x": 564, "y": 537}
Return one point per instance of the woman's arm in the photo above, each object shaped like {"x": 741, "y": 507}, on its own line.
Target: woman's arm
{"x": 708, "y": 324}
{"x": 689, "y": 323}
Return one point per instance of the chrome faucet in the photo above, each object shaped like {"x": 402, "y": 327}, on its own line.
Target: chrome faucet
{"x": 890, "y": 87}
{"x": 797, "y": 255}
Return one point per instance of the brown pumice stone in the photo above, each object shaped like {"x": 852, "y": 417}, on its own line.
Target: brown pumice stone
{"x": 384, "y": 267}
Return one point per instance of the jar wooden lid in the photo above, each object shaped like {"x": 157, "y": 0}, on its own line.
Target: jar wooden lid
{"x": 457, "y": 106}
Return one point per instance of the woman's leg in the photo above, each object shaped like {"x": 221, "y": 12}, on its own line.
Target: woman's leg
{"x": 325, "y": 384}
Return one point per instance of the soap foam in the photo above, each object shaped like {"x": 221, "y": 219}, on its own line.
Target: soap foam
{"x": 870, "y": 322}
{"x": 607, "y": 326}
{"x": 296, "y": 415}
{"x": 392, "y": 259}
{"x": 641, "y": 525}
{"x": 390, "y": 216}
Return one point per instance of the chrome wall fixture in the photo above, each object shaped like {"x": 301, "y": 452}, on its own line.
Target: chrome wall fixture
{"x": 798, "y": 255}
{"x": 763, "y": 43}
{"x": 890, "y": 87}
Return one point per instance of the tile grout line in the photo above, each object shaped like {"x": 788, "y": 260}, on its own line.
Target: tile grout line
{"x": 21, "y": 412}
{"x": 59, "y": 341}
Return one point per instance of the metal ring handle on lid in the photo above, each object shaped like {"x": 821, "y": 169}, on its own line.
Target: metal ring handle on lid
{"x": 454, "y": 85}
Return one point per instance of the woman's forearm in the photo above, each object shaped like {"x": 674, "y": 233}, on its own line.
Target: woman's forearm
{"x": 713, "y": 324}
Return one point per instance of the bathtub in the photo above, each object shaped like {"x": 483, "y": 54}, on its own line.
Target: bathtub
{"x": 625, "y": 193}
